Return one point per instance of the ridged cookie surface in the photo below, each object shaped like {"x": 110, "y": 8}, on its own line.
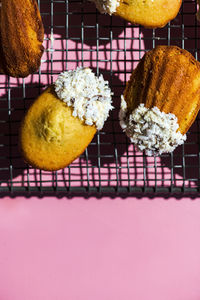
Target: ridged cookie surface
{"x": 50, "y": 137}
{"x": 169, "y": 78}
{"x": 21, "y": 37}
{"x": 151, "y": 14}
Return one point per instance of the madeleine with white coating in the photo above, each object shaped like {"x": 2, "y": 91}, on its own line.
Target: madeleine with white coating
{"x": 63, "y": 120}
{"x": 161, "y": 100}
{"x": 148, "y": 13}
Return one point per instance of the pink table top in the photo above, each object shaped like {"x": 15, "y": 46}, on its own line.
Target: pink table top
{"x": 99, "y": 249}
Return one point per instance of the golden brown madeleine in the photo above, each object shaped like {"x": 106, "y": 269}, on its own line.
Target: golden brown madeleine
{"x": 161, "y": 100}
{"x": 169, "y": 78}
{"x": 63, "y": 120}
{"x": 148, "y": 13}
{"x": 21, "y": 37}
{"x": 50, "y": 137}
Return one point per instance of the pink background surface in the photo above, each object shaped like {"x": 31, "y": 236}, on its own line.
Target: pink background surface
{"x": 99, "y": 249}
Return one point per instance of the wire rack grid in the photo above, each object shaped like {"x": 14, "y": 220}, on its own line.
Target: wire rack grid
{"x": 77, "y": 35}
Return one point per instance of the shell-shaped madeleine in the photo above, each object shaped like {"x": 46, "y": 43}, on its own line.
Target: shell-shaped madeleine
{"x": 169, "y": 78}
{"x": 151, "y": 14}
{"x": 50, "y": 137}
{"x": 21, "y": 37}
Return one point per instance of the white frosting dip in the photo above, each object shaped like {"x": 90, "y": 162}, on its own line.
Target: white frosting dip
{"x": 106, "y": 6}
{"x": 150, "y": 129}
{"x": 88, "y": 95}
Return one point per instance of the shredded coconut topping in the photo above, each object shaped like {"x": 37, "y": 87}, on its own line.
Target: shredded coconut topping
{"x": 150, "y": 129}
{"x": 88, "y": 95}
{"x": 106, "y": 6}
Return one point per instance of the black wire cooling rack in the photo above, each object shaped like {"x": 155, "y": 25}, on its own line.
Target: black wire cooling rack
{"x": 77, "y": 35}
